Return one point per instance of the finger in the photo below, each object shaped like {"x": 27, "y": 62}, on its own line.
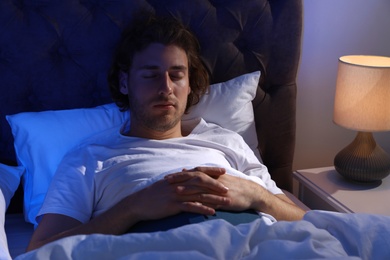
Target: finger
{"x": 196, "y": 207}
{"x": 214, "y": 172}
{"x": 197, "y": 189}
{"x": 206, "y": 199}
{"x": 178, "y": 177}
{"x": 196, "y": 182}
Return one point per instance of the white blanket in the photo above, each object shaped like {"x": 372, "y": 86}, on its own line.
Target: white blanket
{"x": 320, "y": 235}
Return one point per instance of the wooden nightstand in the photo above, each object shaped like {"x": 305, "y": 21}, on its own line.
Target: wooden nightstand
{"x": 324, "y": 188}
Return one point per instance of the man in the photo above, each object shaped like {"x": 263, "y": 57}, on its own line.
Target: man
{"x": 155, "y": 167}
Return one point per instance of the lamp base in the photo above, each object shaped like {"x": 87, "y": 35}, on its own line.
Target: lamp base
{"x": 363, "y": 160}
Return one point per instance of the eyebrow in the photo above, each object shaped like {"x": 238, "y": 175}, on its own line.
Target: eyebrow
{"x": 154, "y": 67}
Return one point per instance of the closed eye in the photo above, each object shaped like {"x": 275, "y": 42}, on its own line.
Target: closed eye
{"x": 178, "y": 75}
{"x": 149, "y": 75}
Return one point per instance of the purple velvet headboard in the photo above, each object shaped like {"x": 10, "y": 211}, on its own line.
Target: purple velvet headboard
{"x": 54, "y": 54}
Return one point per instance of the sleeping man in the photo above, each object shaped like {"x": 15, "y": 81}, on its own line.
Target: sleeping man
{"x": 155, "y": 167}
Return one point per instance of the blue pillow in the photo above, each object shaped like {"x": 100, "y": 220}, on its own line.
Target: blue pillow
{"x": 43, "y": 138}
{"x": 9, "y": 181}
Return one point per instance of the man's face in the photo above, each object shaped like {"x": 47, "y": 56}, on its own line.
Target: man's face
{"x": 158, "y": 87}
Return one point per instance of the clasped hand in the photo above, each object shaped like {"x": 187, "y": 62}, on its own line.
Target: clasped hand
{"x": 212, "y": 187}
{"x": 200, "y": 190}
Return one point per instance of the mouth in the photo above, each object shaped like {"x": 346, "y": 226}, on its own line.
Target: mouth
{"x": 167, "y": 105}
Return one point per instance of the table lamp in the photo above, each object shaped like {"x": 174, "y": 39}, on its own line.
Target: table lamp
{"x": 362, "y": 103}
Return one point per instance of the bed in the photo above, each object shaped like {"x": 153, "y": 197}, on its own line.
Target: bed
{"x": 54, "y": 57}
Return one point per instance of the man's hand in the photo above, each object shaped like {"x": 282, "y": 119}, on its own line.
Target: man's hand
{"x": 240, "y": 193}
{"x": 159, "y": 200}
{"x": 195, "y": 191}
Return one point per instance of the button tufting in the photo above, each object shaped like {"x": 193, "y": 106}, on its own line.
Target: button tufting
{"x": 91, "y": 4}
{"x": 63, "y": 51}
{"x": 57, "y": 50}
{"x": 19, "y": 4}
{"x": 4, "y": 56}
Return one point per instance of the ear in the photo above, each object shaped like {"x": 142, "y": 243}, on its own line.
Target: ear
{"x": 123, "y": 83}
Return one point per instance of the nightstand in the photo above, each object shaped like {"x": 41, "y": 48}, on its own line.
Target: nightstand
{"x": 324, "y": 188}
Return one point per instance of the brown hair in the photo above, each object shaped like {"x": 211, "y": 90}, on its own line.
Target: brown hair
{"x": 167, "y": 31}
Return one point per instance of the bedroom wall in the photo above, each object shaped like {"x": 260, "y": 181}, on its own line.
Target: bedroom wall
{"x": 333, "y": 28}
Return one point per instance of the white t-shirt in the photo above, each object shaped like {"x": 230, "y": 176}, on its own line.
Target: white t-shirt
{"x": 93, "y": 178}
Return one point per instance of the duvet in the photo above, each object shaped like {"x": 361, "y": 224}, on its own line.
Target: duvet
{"x": 319, "y": 235}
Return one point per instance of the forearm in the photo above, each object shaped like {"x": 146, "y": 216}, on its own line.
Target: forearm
{"x": 114, "y": 221}
{"x": 279, "y": 206}
{"x": 156, "y": 201}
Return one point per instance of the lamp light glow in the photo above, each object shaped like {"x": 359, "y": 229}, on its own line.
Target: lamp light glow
{"x": 362, "y": 103}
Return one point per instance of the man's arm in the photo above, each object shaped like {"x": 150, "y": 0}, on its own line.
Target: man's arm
{"x": 246, "y": 193}
{"x": 56, "y": 226}
{"x": 157, "y": 201}
{"x": 243, "y": 194}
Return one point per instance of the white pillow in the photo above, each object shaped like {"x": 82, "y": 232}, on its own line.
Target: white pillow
{"x": 43, "y": 138}
{"x": 229, "y": 104}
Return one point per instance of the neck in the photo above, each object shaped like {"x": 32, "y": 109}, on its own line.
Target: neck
{"x": 142, "y": 131}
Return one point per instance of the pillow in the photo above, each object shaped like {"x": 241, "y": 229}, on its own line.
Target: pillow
{"x": 43, "y": 138}
{"x": 9, "y": 182}
{"x": 229, "y": 104}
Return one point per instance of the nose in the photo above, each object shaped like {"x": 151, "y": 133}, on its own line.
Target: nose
{"x": 165, "y": 85}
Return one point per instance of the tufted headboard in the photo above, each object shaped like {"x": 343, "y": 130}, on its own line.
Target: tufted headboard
{"x": 54, "y": 54}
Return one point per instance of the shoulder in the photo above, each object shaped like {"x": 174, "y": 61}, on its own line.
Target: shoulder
{"x": 200, "y": 126}
{"x": 211, "y": 132}
{"x": 92, "y": 147}
{"x": 108, "y": 137}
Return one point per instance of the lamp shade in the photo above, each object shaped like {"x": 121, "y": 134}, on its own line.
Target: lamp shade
{"x": 362, "y": 99}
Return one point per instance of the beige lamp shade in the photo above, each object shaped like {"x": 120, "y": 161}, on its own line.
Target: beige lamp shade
{"x": 362, "y": 99}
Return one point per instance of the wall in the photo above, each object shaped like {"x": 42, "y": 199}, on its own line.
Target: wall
{"x": 333, "y": 28}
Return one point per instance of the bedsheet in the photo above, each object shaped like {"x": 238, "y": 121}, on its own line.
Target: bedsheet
{"x": 320, "y": 234}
